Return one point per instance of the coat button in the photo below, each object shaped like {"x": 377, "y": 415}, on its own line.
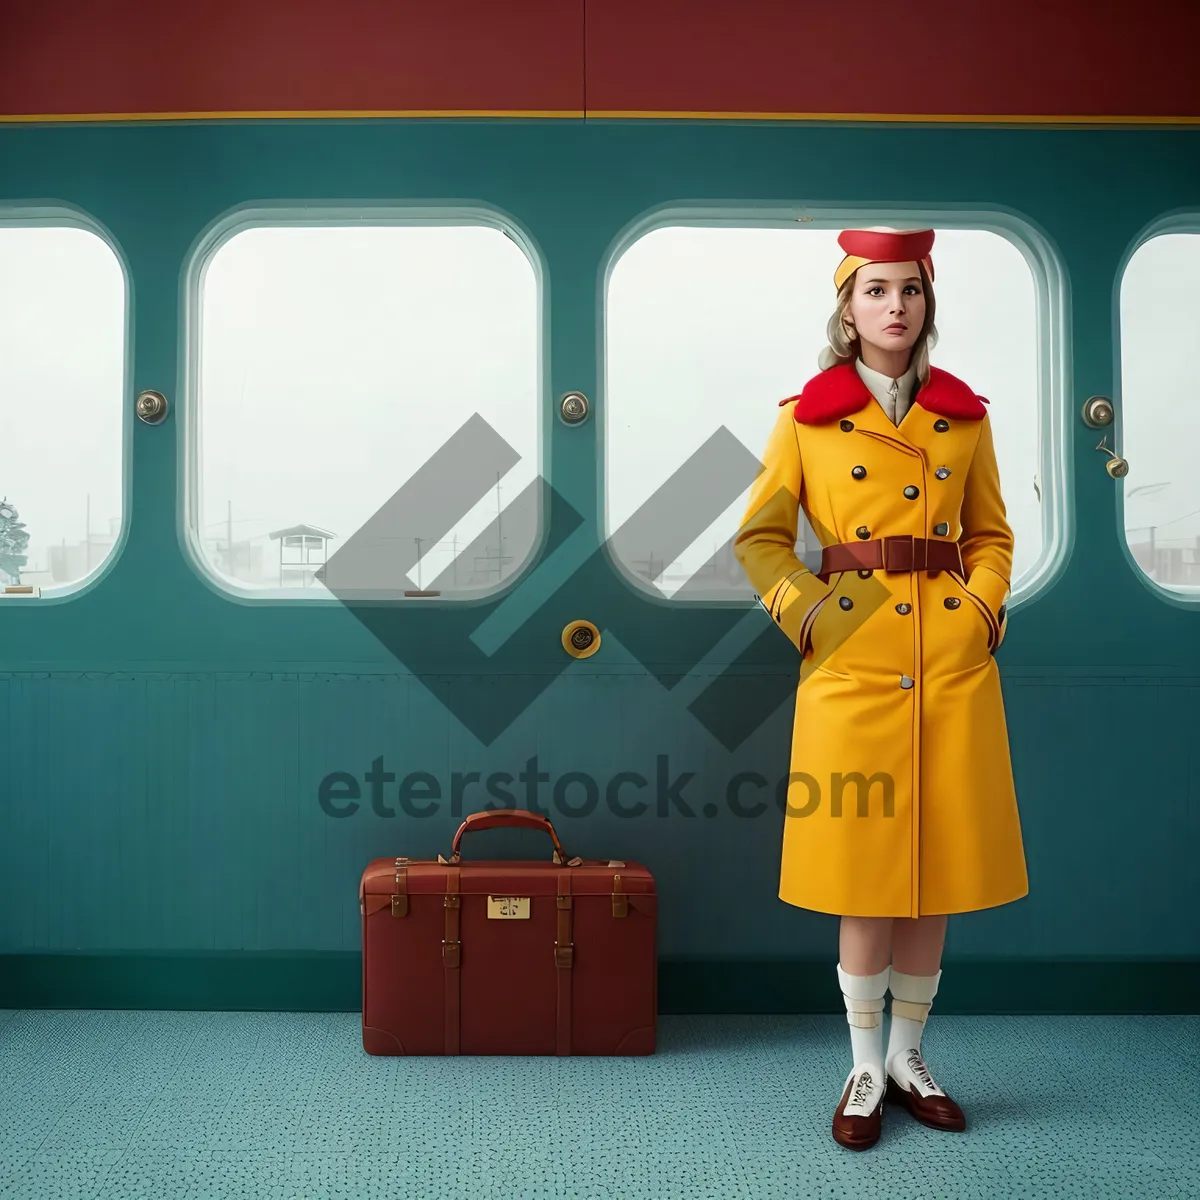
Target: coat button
{"x": 845, "y": 602}
{"x": 952, "y": 602}
{"x": 911, "y": 493}
{"x": 904, "y": 609}
{"x": 905, "y": 682}
{"x": 865, "y": 572}
{"x": 942, "y": 472}
{"x": 942, "y": 528}
{"x": 847, "y": 426}
{"x": 863, "y": 532}
{"x": 859, "y": 472}
{"x": 941, "y": 426}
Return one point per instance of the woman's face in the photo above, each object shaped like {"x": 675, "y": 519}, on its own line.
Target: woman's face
{"x": 887, "y": 305}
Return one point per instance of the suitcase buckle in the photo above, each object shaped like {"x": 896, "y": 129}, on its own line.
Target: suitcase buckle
{"x": 564, "y": 956}
{"x": 450, "y": 953}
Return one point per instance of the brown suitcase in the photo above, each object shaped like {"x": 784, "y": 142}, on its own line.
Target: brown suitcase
{"x": 496, "y": 957}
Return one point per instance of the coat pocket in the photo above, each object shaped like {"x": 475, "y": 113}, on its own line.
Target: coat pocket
{"x": 785, "y": 608}
{"x": 810, "y": 620}
{"x": 983, "y": 610}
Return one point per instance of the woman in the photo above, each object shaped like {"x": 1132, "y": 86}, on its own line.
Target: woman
{"x": 901, "y": 806}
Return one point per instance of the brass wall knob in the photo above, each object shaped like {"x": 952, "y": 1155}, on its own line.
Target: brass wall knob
{"x": 581, "y": 639}
{"x": 151, "y": 407}
{"x": 1097, "y": 412}
{"x": 574, "y": 408}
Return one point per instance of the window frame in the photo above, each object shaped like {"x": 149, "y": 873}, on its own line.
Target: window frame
{"x": 1177, "y": 221}
{"x": 66, "y": 216}
{"x": 1052, "y": 317}
{"x": 305, "y": 215}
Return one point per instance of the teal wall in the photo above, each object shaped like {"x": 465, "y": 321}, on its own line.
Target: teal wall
{"x": 161, "y": 840}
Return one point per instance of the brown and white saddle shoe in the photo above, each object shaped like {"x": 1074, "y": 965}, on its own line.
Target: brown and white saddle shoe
{"x": 857, "y": 1121}
{"x": 910, "y": 1085}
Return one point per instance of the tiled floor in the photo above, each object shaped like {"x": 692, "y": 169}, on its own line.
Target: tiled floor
{"x": 177, "y": 1105}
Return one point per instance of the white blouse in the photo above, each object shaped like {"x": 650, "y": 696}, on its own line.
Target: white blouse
{"x": 894, "y": 395}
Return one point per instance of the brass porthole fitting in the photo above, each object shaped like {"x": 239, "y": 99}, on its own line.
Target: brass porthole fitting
{"x": 573, "y": 408}
{"x": 581, "y": 639}
{"x": 151, "y": 407}
{"x": 1097, "y": 412}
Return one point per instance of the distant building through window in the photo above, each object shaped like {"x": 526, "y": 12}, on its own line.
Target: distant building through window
{"x": 303, "y": 550}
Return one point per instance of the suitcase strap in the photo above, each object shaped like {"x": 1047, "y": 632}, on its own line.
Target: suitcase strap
{"x": 564, "y": 960}
{"x": 451, "y": 958}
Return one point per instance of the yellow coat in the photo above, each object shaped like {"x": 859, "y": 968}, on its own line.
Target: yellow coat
{"x": 901, "y": 800}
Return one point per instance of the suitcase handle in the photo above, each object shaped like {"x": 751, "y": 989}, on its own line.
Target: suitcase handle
{"x": 507, "y": 818}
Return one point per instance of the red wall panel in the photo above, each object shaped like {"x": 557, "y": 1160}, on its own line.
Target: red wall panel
{"x": 290, "y": 56}
{"x": 942, "y": 58}
{"x": 932, "y": 59}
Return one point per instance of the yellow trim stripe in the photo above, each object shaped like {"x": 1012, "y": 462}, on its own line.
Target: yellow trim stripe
{"x": 605, "y": 114}
{"x": 293, "y": 114}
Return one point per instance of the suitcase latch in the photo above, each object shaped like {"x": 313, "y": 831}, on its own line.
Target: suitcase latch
{"x": 400, "y": 905}
{"x": 508, "y": 908}
{"x": 450, "y": 953}
{"x": 564, "y": 956}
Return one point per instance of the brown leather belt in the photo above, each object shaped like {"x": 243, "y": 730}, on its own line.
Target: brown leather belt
{"x": 900, "y": 552}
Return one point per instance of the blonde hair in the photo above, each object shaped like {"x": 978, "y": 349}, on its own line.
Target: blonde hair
{"x": 845, "y": 348}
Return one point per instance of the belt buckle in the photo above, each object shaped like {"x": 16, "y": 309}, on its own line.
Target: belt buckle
{"x": 898, "y": 552}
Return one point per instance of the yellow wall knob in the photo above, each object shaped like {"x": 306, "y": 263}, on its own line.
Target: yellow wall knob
{"x": 581, "y": 639}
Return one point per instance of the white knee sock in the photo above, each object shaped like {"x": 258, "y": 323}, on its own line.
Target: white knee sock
{"x": 864, "y": 997}
{"x": 912, "y": 998}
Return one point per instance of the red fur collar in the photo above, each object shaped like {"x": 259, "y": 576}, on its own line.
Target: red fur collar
{"x": 840, "y": 391}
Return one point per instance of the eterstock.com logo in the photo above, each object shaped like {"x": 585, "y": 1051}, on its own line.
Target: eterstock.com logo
{"x": 623, "y": 794}
{"x": 371, "y": 573}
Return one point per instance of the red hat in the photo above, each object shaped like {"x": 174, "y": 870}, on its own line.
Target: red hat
{"x": 882, "y": 244}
